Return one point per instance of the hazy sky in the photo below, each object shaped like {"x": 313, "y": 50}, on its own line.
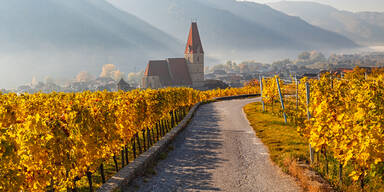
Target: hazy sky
{"x": 349, "y": 5}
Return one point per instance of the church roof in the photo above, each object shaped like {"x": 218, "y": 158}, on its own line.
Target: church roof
{"x": 172, "y": 72}
{"x": 194, "y": 43}
{"x": 159, "y": 68}
{"x": 179, "y": 71}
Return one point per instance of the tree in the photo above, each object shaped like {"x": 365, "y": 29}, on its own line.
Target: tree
{"x": 304, "y": 56}
{"x": 244, "y": 68}
{"x": 317, "y": 57}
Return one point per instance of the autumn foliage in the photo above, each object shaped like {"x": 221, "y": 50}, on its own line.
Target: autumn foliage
{"x": 347, "y": 117}
{"x": 48, "y": 140}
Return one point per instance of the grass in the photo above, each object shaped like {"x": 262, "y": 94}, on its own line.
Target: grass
{"x": 282, "y": 139}
{"x": 284, "y": 143}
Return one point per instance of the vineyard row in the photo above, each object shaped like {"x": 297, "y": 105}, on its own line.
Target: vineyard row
{"x": 48, "y": 141}
{"x": 340, "y": 117}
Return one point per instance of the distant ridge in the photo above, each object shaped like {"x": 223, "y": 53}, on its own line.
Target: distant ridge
{"x": 362, "y": 27}
{"x": 61, "y": 38}
{"x": 229, "y": 27}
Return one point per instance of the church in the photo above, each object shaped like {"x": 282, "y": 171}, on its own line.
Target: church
{"x": 178, "y": 72}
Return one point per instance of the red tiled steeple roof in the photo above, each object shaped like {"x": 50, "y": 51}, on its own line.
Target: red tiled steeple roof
{"x": 194, "y": 43}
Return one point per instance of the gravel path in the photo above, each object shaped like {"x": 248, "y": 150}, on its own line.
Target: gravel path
{"x": 218, "y": 151}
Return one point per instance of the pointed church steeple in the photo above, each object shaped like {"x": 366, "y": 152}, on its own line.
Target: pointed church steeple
{"x": 194, "y": 43}
{"x": 194, "y": 56}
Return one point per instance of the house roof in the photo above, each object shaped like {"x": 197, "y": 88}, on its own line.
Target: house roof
{"x": 122, "y": 83}
{"x": 179, "y": 71}
{"x": 194, "y": 43}
{"x": 159, "y": 68}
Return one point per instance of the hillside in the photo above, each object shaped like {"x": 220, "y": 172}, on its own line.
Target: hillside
{"x": 229, "y": 28}
{"x": 362, "y": 27}
{"x": 61, "y": 38}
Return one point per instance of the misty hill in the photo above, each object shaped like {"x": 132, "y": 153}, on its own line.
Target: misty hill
{"x": 61, "y": 38}
{"x": 229, "y": 28}
{"x": 362, "y": 27}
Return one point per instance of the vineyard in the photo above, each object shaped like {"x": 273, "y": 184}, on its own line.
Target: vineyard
{"x": 342, "y": 119}
{"x": 50, "y": 141}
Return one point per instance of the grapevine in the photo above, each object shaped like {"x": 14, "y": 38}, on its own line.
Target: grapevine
{"x": 49, "y": 140}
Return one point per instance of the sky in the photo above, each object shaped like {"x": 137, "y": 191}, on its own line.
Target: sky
{"x": 348, "y": 5}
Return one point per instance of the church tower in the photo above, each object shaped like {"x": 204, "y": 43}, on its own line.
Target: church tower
{"x": 194, "y": 55}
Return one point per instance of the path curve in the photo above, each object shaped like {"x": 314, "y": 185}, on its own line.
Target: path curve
{"x": 218, "y": 151}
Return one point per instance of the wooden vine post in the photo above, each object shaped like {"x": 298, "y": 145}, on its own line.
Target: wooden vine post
{"x": 153, "y": 138}
{"x": 307, "y": 88}
{"x": 116, "y": 165}
{"x": 144, "y": 145}
{"x": 122, "y": 158}
{"x": 281, "y": 100}
{"x": 162, "y": 128}
{"x": 134, "y": 147}
{"x": 157, "y": 131}
{"x": 261, "y": 92}
{"x": 172, "y": 119}
{"x": 102, "y": 173}
{"x": 138, "y": 143}
{"x": 89, "y": 176}
{"x": 149, "y": 137}
{"x": 126, "y": 154}
{"x": 297, "y": 94}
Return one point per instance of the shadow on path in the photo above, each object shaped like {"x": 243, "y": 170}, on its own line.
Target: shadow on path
{"x": 186, "y": 168}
